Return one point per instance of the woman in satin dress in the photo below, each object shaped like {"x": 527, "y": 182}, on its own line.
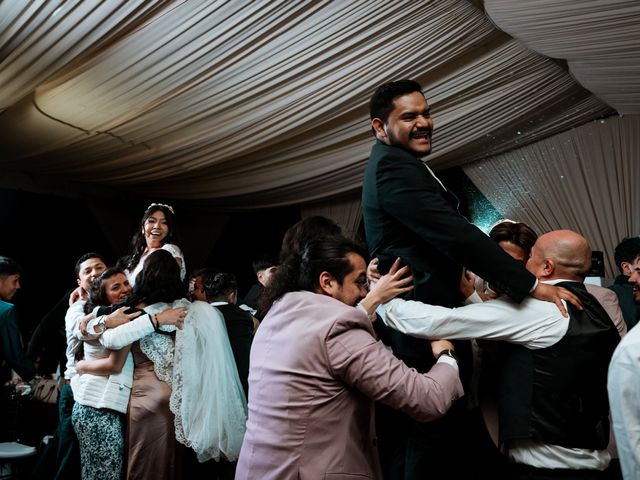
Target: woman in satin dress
{"x": 186, "y": 390}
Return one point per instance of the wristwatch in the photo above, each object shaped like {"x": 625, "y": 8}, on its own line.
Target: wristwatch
{"x": 449, "y": 353}
{"x": 101, "y": 324}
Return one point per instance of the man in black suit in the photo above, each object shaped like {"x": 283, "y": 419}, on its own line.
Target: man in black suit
{"x": 409, "y": 213}
{"x": 221, "y": 290}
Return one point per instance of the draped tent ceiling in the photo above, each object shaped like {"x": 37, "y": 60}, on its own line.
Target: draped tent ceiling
{"x": 254, "y": 104}
{"x": 239, "y": 104}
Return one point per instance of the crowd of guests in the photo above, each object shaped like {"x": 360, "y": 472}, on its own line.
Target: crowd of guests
{"x": 338, "y": 365}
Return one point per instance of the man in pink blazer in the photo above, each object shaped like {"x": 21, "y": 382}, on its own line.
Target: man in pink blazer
{"x": 317, "y": 368}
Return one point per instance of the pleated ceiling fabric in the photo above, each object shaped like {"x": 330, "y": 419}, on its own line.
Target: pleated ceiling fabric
{"x": 600, "y": 39}
{"x": 257, "y": 104}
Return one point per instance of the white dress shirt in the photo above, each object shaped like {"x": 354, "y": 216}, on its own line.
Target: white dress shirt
{"x": 624, "y": 400}
{"x": 533, "y": 323}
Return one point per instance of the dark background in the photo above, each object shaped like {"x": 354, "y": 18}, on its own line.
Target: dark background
{"x": 47, "y": 233}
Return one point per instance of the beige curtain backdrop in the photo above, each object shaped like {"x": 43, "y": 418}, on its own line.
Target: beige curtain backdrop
{"x": 346, "y": 212}
{"x": 585, "y": 180}
{"x": 256, "y": 104}
{"x": 600, "y": 39}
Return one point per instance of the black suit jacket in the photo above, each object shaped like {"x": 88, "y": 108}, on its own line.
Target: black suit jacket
{"x": 240, "y": 330}
{"x": 408, "y": 214}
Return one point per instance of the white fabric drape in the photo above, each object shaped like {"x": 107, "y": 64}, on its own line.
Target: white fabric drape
{"x": 260, "y": 103}
{"x": 600, "y": 39}
{"x": 346, "y": 212}
{"x": 584, "y": 180}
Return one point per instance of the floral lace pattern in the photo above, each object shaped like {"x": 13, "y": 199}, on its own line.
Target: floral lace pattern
{"x": 207, "y": 398}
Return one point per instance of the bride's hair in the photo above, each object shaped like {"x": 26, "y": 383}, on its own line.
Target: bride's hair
{"x": 138, "y": 242}
{"x": 159, "y": 280}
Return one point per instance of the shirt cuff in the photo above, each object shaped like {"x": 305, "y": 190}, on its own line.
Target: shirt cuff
{"x": 535, "y": 285}
{"x": 473, "y": 298}
{"x": 449, "y": 360}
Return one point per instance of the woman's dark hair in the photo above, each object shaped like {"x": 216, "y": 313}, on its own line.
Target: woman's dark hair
{"x": 158, "y": 281}
{"x": 518, "y": 233}
{"x": 138, "y": 242}
{"x": 301, "y": 271}
{"x": 218, "y": 285}
{"x": 310, "y": 228}
{"x": 98, "y": 294}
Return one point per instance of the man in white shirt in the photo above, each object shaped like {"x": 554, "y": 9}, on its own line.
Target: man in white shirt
{"x": 88, "y": 267}
{"x": 553, "y": 406}
{"x": 624, "y": 392}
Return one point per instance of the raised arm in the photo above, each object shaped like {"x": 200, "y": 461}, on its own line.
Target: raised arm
{"x": 126, "y": 334}
{"x": 532, "y": 323}
{"x": 408, "y": 191}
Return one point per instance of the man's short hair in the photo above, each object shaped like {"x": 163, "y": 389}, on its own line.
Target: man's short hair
{"x": 219, "y": 284}
{"x": 263, "y": 262}
{"x": 627, "y": 251}
{"x": 8, "y": 266}
{"x": 381, "y": 102}
{"x": 86, "y": 257}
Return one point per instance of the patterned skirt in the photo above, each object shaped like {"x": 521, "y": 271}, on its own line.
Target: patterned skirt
{"x": 101, "y": 438}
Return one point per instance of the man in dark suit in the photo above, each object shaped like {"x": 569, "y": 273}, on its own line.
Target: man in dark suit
{"x": 221, "y": 290}
{"x": 409, "y": 213}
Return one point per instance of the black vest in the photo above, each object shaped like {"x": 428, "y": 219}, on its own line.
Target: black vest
{"x": 558, "y": 394}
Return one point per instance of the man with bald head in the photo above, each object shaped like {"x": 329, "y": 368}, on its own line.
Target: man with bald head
{"x": 553, "y": 407}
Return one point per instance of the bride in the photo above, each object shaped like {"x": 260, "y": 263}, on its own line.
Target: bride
{"x": 185, "y": 386}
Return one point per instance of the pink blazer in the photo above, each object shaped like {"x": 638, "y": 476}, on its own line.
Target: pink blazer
{"x": 316, "y": 369}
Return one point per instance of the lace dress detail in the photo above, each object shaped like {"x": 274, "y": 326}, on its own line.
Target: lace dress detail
{"x": 207, "y": 398}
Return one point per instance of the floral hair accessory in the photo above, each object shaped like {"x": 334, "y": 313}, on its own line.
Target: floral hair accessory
{"x": 162, "y": 205}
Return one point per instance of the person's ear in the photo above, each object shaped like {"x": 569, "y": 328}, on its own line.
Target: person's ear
{"x": 549, "y": 267}
{"x": 327, "y": 284}
{"x": 78, "y": 280}
{"x": 378, "y": 128}
{"x": 626, "y": 268}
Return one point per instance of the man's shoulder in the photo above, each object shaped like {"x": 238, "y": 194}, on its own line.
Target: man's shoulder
{"x": 6, "y": 307}
{"x": 324, "y": 306}
{"x": 381, "y": 152}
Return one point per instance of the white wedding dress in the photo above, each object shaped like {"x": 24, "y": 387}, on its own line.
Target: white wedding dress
{"x": 207, "y": 398}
